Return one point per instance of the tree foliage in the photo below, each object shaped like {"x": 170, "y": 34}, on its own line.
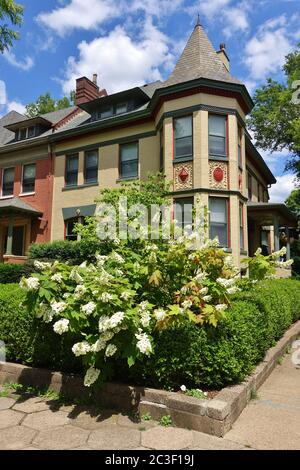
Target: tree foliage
{"x": 293, "y": 202}
{"x": 46, "y": 104}
{"x": 275, "y": 118}
{"x": 10, "y": 12}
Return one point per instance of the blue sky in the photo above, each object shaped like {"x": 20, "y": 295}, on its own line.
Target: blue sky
{"x": 130, "y": 42}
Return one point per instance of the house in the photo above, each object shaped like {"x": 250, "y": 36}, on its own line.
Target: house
{"x": 191, "y": 127}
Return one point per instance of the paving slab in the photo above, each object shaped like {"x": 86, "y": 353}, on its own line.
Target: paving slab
{"x": 167, "y": 438}
{"x": 16, "y": 437}
{"x": 10, "y": 418}
{"x": 31, "y": 405}
{"x": 46, "y": 419}
{"x": 86, "y": 420}
{"x": 114, "y": 437}
{"x": 6, "y": 403}
{"x": 61, "y": 438}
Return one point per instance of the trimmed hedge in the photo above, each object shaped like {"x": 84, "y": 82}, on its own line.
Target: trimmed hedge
{"x": 29, "y": 341}
{"x": 64, "y": 250}
{"x": 190, "y": 355}
{"x": 11, "y": 273}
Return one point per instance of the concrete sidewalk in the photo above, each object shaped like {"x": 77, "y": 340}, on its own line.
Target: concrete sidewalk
{"x": 272, "y": 421}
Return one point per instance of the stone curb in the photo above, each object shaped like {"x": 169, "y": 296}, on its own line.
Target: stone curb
{"x": 213, "y": 417}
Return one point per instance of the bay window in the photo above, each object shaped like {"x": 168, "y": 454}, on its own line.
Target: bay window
{"x": 218, "y": 220}
{"x": 183, "y": 137}
{"x": 217, "y": 136}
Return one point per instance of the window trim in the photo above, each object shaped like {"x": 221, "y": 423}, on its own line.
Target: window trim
{"x": 137, "y": 160}
{"x": 84, "y": 166}
{"x": 249, "y": 186}
{"x": 183, "y": 157}
{"x": 226, "y": 137}
{"x": 240, "y": 147}
{"x": 66, "y": 165}
{"x": 227, "y": 212}
{"x": 22, "y": 176}
{"x": 161, "y": 149}
{"x": 2, "y": 179}
{"x": 242, "y": 226}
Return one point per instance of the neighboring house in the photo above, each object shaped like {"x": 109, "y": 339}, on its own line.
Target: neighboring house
{"x": 191, "y": 127}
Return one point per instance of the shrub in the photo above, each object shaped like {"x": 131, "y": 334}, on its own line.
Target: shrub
{"x": 28, "y": 341}
{"x": 12, "y": 273}
{"x": 75, "y": 252}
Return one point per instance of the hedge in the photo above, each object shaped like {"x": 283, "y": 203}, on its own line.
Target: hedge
{"x": 190, "y": 355}
{"x": 11, "y": 273}
{"x": 64, "y": 250}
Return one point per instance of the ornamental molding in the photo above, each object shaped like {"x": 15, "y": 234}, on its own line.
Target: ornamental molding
{"x": 218, "y": 175}
{"x": 185, "y": 182}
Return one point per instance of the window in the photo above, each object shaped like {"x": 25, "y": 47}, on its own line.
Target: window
{"x": 240, "y": 134}
{"x": 28, "y": 178}
{"x": 71, "y": 178}
{"x": 91, "y": 166}
{"x": 249, "y": 187}
{"x": 218, "y": 222}
{"x": 161, "y": 150}
{"x": 23, "y": 133}
{"x": 183, "y": 137}
{"x": 70, "y": 225}
{"x": 8, "y": 182}
{"x": 121, "y": 108}
{"x": 31, "y": 132}
{"x": 242, "y": 245}
{"x": 183, "y": 212}
{"x": 217, "y": 136}
{"x": 106, "y": 112}
{"x": 129, "y": 160}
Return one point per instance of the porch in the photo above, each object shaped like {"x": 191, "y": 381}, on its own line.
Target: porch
{"x": 15, "y": 229}
{"x": 270, "y": 227}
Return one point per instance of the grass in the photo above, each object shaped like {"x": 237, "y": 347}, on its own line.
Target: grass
{"x": 196, "y": 393}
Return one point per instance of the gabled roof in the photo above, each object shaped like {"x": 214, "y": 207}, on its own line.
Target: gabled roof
{"x": 199, "y": 60}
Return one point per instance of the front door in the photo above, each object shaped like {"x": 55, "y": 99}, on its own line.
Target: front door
{"x": 17, "y": 242}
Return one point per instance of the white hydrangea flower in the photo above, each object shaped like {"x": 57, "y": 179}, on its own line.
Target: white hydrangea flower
{"x": 30, "y": 284}
{"x": 145, "y": 319}
{"x": 233, "y": 290}
{"x": 88, "y": 308}
{"x": 99, "y": 345}
{"x": 110, "y": 350}
{"x": 58, "y": 307}
{"x": 201, "y": 276}
{"x": 57, "y": 278}
{"x": 280, "y": 253}
{"x": 143, "y": 344}
{"x": 91, "y": 376}
{"x": 45, "y": 313}
{"x": 152, "y": 258}
{"x": 104, "y": 323}
{"x": 160, "y": 314}
{"x": 186, "y": 304}
{"x": 81, "y": 349}
{"x": 207, "y": 298}
{"x": 119, "y": 273}
{"x": 101, "y": 259}
{"x": 61, "y": 326}
{"x": 83, "y": 265}
{"x": 107, "y": 335}
{"x": 204, "y": 290}
{"x": 80, "y": 290}
{"x": 183, "y": 388}
{"x": 221, "y": 307}
{"x": 125, "y": 295}
{"x": 41, "y": 266}
{"x": 117, "y": 258}
{"x": 75, "y": 276}
{"x": 116, "y": 241}
{"x": 226, "y": 282}
{"x": 258, "y": 251}
{"x": 104, "y": 278}
{"x": 143, "y": 306}
{"x": 66, "y": 295}
{"x": 116, "y": 319}
{"x": 106, "y": 297}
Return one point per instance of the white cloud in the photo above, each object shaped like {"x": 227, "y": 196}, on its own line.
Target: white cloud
{"x": 265, "y": 52}
{"x": 25, "y": 64}
{"x": 120, "y": 61}
{"x": 273, "y": 159}
{"x": 15, "y": 106}
{"x": 78, "y": 14}
{"x": 282, "y": 189}
{"x": 3, "y": 97}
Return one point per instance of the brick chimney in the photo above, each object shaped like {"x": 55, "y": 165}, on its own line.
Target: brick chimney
{"x": 223, "y": 56}
{"x": 87, "y": 90}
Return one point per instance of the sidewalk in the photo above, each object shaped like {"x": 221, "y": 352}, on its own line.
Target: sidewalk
{"x": 270, "y": 422}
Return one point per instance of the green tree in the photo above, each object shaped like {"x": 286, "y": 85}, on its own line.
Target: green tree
{"x": 275, "y": 118}
{"x": 293, "y": 202}
{"x": 46, "y": 104}
{"x": 13, "y": 13}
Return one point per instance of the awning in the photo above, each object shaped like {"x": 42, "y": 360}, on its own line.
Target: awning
{"x": 16, "y": 206}
{"x": 264, "y": 213}
{"x": 79, "y": 211}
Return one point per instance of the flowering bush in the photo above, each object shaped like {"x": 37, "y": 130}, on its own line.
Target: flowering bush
{"x": 117, "y": 303}
{"x": 264, "y": 267}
